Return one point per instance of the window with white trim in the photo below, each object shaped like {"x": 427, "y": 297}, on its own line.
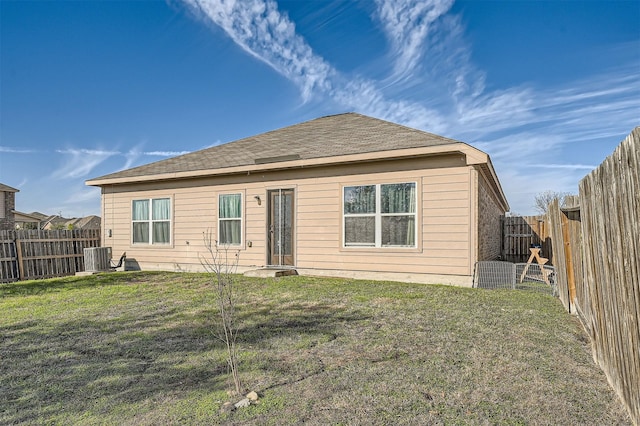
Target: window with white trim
{"x": 230, "y": 219}
{"x": 381, "y": 215}
{"x": 151, "y": 221}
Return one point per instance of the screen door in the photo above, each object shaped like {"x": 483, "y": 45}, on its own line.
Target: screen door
{"x": 280, "y": 231}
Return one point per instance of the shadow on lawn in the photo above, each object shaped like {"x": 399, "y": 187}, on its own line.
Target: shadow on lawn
{"x": 131, "y": 361}
{"x": 36, "y": 287}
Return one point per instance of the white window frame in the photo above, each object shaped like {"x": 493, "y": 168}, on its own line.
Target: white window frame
{"x": 151, "y": 221}
{"x": 378, "y": 215}
{"x": 241, "y": 219}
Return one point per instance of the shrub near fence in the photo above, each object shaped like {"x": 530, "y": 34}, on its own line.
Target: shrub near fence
{"x": 597, "y": 259}
{"x": 33, "y": 254}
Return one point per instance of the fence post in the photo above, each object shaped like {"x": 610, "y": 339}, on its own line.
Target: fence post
{"x": 571, "y": 281}
{"x": 19, "y": 259}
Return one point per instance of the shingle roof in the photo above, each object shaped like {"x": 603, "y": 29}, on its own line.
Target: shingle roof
{"x": 329, "y": 136}
{"x": 84, "y": 222}
{"x": 7, "y": 188}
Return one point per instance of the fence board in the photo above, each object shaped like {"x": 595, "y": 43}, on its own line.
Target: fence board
{"x": 600, "y": 232}
{"x": 554, "y": 217}
{"x": 608, "y": 296}
{"x": 8, "y": 265}
{"x": 34, "y": 254}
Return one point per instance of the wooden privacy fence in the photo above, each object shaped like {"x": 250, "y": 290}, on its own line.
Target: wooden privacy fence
{"x": 33, "y": 254}
{"x": 566, "y": 238}
{"x": 520, "y": 233}
{"x": 596, "y": 242}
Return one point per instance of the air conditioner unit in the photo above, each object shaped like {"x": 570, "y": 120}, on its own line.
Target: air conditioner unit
{"x": 97, "y": 259}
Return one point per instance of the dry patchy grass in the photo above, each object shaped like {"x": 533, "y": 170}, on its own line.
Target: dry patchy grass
{"x": 138, "y": 348}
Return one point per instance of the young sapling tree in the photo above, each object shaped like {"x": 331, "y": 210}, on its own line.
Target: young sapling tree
{"x": 222, "y": 264}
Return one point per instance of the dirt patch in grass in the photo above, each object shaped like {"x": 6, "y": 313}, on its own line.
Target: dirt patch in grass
{"x": 139, "y": 348}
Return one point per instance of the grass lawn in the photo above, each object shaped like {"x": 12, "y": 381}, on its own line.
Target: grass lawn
{"x": 139, "y": 348}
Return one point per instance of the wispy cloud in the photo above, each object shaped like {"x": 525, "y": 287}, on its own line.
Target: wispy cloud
{"x": 594, "y": 107}
{"x": 79, "y": 163}
{"x": 422, "y": 31}
{"x": 132, "y": 157}
{"x": 12, "y": 150}
{"x": 215, "y": 143}
{"x": 262, "y": 31}
{"x": 563, "y": 166}
{"x": 88, "y": 152}
{"x": 407, "y": 24}
{"x": 83, "y": 194}
{"x": 522, "y": 185}
{"x": 528, "y": 153}
{"x": 80, "y": 151}
{"x": 165, "y": 153}
{"x": 77, "y": 201}
{"x": 495, "y": 111}
{"x": 364, "y": 96}
{"x": 518, "y": 126}
{"x": 518, "y": 147}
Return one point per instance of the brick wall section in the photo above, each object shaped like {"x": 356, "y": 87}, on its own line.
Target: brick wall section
{"x": 489, "y": 223}
{"x": 7, "y": 221}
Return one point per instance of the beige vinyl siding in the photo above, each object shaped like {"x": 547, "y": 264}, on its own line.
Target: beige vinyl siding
{"x": 446, "y": 226}
{"x": 443, "y": 223}
{"x": 445, "y": 201}
{"x": 318, "y": 222}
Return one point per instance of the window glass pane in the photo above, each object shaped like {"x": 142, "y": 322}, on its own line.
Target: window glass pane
{"x": 360, "y": 199}
{"x": 230, "y": 232}
{"x": 359, "y": 230}
{"x": 398, "y": 230}
{"x": 398, "y": 198}
{"x": 161, "y": 209}
{"x": 161, "y": 233}
{"x": 140, "y": 210}
{"x": 141, "y": 232}
{"x": 230, "y": 206}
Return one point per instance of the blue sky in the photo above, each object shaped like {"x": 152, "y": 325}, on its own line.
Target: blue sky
{"x": 547, "y": 88}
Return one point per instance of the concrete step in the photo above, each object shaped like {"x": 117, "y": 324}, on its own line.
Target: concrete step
{"x": 270, "y": 273}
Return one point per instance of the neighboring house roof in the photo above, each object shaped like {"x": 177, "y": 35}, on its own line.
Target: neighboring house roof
{"x": 25, "y": 217}
{"x": 87, "y": 222}
{"x": 7, "y": 188}
{"x": 334, "y": 139}
{"x": 39, "y": 215}
{"x": 54, "y": 220}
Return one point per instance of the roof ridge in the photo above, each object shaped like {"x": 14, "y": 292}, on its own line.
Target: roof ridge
{"x": 322, "y": 137}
